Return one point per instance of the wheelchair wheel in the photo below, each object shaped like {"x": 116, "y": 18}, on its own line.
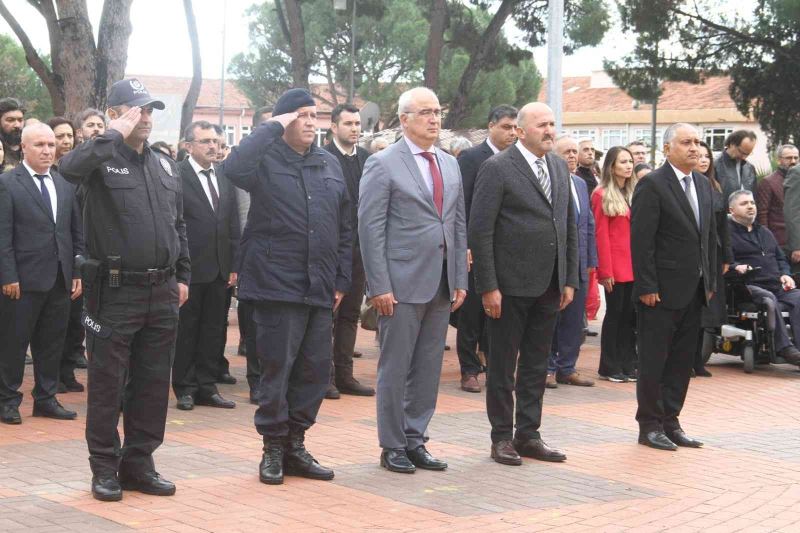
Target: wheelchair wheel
{"x": 709, "y": 339}
{"x": 749, "y": 359}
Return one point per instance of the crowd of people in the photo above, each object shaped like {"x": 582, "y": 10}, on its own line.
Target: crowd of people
{"x": 129, "y": 254}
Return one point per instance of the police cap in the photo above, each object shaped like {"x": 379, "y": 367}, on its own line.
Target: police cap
{"x": 132, "y": 93}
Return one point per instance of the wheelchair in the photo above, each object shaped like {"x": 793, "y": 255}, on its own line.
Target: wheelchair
{"x": 748, "y": 333}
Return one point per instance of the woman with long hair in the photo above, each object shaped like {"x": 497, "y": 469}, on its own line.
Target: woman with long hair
{"x": 611, "y": 205}
{"x": 714, "y": 315}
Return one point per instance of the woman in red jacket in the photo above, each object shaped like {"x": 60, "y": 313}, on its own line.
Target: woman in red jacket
{"x": 611, "y": 202}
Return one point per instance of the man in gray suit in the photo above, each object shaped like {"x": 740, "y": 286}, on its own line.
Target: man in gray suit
{"x": 524, "y": 243}
{"x": 412, "y": 228}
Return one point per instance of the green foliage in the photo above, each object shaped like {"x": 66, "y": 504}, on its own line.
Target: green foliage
{"x": 687, "y": 41}
{"x": 20, "y": 81}
{"x": 391, "y": 41}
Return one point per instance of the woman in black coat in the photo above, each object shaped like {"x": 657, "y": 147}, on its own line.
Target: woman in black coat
{"x": 714, "y": 315}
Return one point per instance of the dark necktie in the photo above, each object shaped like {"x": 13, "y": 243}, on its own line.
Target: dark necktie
{"x": 686, "y": 184}
{"x": 438, "y": 184}
{"x": 45, "y": 194}
{"x": 211, "y": 189}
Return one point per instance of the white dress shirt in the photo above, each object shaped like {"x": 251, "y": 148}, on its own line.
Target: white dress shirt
{"x": 494, "y": 148}
{"x": 531, "y": 158}
{"x": 203, "y": 181}
{"x": 48, "y": 182}
{"x": 422, "y": 163}
{"x": 691, "y": 190}
{"x": 342, "y": 151}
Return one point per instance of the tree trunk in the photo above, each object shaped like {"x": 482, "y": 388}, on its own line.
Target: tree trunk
{"x": 433, "y": 56}
{"x": 41, "y": 69}
{"x": 297, "y": 44}
{"x": 477, "y": 61}
{"x": 112, "y": 48}
{"x": 187, "y": 110}
{"x": 81, "y": 72}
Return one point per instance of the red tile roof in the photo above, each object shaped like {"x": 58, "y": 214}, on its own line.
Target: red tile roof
{"x": 579, "y": 96}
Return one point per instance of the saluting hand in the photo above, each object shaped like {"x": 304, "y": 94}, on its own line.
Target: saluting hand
{"x": 285, "y": 119}
{"x": 126, "y": 122}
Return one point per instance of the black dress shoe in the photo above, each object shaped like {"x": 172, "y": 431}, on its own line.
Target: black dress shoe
{"x": 657, "y": 440}
{"x": 350, "y": 385}
{"x": 702, "y": 372}
{"x": 332, "y": 393}
{"x": 682, "y": 439}
{"x": 226, "y": 379}
{"x": 396, "y": 460}
{"x": 791, "y": 355}
{"x": 270, "y": 471}
{"x": 53, "y": 409}
{"x": 298, "y": 462}
{"x": 215, "y": 400}
{"x": 106, "y": 488}
{"x": 9, "y": 414}
{"x": 185, "y": 402}
{"x": 81, "y": 362}
{"x": 537, "y": 449}
{"x": 150, "y": 483}
{"x": 70, "y": 386}
{"x": 421, "y": 458}
{"x": 504, "y": 453}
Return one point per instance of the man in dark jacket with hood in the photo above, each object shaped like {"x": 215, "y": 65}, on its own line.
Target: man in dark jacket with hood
{"x": 295, "y": 268}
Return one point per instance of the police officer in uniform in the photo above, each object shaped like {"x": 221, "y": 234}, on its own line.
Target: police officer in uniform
{"x": 295, "y": 269}
{"x": 136, "y": 276}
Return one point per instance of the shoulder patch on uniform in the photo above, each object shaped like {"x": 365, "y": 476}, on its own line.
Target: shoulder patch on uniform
{"x": 165, "y": 165}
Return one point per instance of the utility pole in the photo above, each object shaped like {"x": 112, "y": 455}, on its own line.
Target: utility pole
{"x": 555, "y": 52}
{"x": 222, "y": 75}
{"x": 351, "y": 92}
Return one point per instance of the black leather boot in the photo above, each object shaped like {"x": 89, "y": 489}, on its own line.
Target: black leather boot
{"x": 298, "y": 462}
{"x": 270, "y": 471}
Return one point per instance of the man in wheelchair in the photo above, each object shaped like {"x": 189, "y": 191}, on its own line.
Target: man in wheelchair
{"x": 755, "y": 251}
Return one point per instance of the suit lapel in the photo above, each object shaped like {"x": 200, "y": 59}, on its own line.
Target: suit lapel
{"x": 409, "y": 160}
{"x": 27, "y": 182}
{"x": 223, "y": 190}
{"x": 680, "y": 196}
{"x": 522, "y": 164}
{"x": 61, "y": 198}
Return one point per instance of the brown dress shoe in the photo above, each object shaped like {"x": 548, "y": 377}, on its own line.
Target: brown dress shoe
{"x": 469, "y": 383}
{"x": 537, "y": 449}
{"x": 504, "y": 453}
{"x": 575, "y": 379}
{"x": 551, "y": 381}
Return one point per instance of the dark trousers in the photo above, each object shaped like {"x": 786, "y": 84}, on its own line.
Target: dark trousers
{"x": 667, "y": 342}
{"x": 247, "y": 330}
{"x": 568, "y": 336}
{"x": 790, "y": 300}
{"x": 132, "y": 367}
{"x": 73, "y": 343}
{"x": 471, "y": 327}
{"x": 293, "y": 342}
{"x": 38, "y": 318}
{"x": 617, "y": 341}
{"x": 345, "y": 324}
{"x": 200, "y": 332}
{"x": 525, "y": 327}
{"x": 223, "y": 366}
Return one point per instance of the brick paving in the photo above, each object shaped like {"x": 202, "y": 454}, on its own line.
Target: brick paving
{"x": 746, "y": 478}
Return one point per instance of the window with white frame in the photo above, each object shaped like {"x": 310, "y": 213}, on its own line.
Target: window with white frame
{"x": 320, "y": 140}
{"x": 613, "y": 137}
{"x": 580, "y": 134}
{"x": 230, "y": 135}
{"x": 715, "y": 137}
{"x": 245, "y": 132}
{"x": 643, "y": 134}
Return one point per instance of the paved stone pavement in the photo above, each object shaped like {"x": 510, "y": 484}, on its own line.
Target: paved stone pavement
{"x": 746, "y": 478}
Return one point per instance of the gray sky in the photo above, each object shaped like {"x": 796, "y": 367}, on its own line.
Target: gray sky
{"x": 159, "y": 43}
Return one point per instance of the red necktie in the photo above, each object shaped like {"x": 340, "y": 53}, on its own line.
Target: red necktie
{"x": 438, "y": 184}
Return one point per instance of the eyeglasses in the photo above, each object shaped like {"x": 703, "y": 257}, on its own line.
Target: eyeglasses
{"x": 427, "y": 112}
